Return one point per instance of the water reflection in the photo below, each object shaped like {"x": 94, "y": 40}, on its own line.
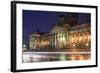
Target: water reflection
{"x": 54, "y": 56}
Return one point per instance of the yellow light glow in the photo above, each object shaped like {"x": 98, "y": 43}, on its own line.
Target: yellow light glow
{"x": 81, "y": 57}
{"x": 80, "y": 38}
{"x": 72, "y": 40}
{"x": 89, "y": 37}
{"x": 85, "y": 37}
{"x": 74, "y": 45}
{"x": 87, "y": 44}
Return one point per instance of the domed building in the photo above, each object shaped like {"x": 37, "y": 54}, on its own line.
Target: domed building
{"x": 66, "y": 33}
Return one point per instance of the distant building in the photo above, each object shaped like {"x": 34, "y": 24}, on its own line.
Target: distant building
{"x": 64, "y": 34}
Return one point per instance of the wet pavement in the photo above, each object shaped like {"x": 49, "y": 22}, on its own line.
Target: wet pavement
{"x": 71, "y": 55}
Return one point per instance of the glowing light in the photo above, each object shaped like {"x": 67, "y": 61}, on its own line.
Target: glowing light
{"x": 87, "y": 44}
{"x": 81, "y": 57}
{"x": 85, "y": 37}
{"x": 72, "y": 40}
{"x": 89, "y": 37}
{"x": 62, "y": 57}
{"x": 62, "y": 39}
{"x": 76, "y": 38}
{"x": 80, "y": 38}
{"x": 74, "y": 45}
{"x": 24, "y": 46}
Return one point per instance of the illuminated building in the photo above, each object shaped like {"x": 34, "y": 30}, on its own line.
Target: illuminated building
{"x": 66, "y": 33}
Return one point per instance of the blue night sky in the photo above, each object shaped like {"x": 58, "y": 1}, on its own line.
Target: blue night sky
{"x": 44, "y": 20}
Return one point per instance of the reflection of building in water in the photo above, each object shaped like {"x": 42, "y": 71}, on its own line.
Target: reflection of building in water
{"x": 66, "y": 33}
{"x": 42, "y": 57}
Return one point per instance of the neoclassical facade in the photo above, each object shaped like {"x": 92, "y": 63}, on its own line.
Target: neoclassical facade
{"x": 62, "y": 36}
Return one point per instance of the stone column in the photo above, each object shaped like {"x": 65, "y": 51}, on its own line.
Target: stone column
{"x": 55, "y": 39}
